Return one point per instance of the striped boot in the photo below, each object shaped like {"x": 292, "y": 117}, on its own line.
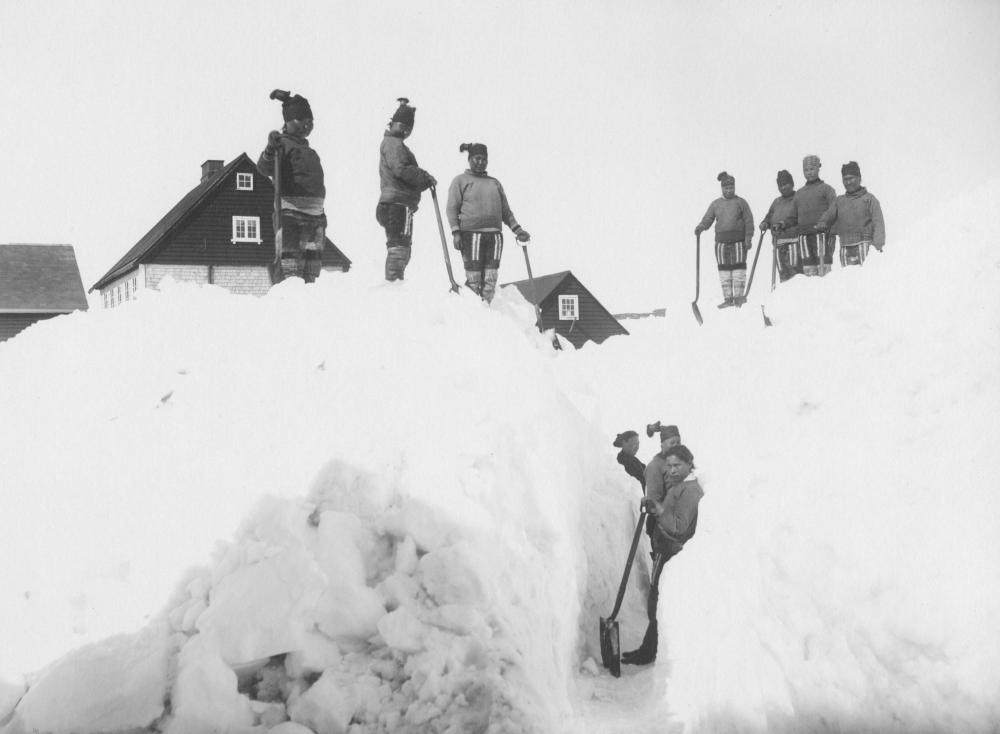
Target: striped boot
{"x": 726, "y": 278}
{"x": 739, "y": 286}
{"x": 490, "y": 284}
{"x": 474, "y": 281}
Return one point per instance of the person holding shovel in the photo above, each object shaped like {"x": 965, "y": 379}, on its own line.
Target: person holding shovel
{"x": 673, "y": 501}
{"x": 303, "y": 192}
{"x": 815, "y": 247}
{"x": 785, "y": 250}
{"x": 477, "y": 209}
{"x": 401, "y": 181}
{"x": 733, "y": 239}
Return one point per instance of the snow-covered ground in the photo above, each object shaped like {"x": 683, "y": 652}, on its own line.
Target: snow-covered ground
{"x": 371, "y": 507}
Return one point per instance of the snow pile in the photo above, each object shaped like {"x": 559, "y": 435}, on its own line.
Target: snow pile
{"x": 844, "y": 574}
{"x": 410, "y": 475}
{"x": 431, "y": 520}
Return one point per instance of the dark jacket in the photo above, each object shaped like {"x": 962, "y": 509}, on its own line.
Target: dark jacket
{"x": 781, "y": 210}
{"x": 401, "y": 178}
{"x": 633, "y": 467}
{"x": 301, "y": 170}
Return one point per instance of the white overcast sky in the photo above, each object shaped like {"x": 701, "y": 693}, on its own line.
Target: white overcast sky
{"x": 607, "y": 122}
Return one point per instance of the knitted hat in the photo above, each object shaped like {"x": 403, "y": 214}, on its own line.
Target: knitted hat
{"x": 785, "y": 177}
{"x": 404, "y": 113}
{"x": 725, "y": 178}
{"x": 669, "y": 432}
{"x": 293, "y": 107}
{"x": 473, "y": 148}
{"x": 621, "y": 438}
{"x": 811, "y": 160}
{"x": 850, "y": 169}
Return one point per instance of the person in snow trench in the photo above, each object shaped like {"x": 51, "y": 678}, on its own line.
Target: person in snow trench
{"x": 477, "y": 207}
{"x": 673, "y": 500}
{"x": 733, "y": 239}
{"x": 628, "y": 442}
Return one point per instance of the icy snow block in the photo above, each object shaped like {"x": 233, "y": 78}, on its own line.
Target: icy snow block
{"x": 263, "y": 609}
{"x": 448, "y": 577}
{"x": 402, "y": 631}
{"x": 204, "y": 697}
{"x": 118, "y": 684}
{"x": 327, "y": 707}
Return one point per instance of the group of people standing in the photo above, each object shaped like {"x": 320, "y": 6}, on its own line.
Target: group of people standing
{"x": 477, "y": 204}
{"x": 804, "y": 224}
{"x": 671, "y": 494}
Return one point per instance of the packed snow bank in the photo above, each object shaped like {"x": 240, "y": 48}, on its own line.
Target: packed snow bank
{"x": 844, "y": 574}
{"x": 411, "y": 477}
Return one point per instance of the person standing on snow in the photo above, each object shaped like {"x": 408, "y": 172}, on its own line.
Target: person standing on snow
{"x": 858, "y": 217}
{"x": 785, "y": 251}
{"x": 303, "y": 221}
{"x": 733, "y": 239}
{"x": 477, "y": 207}
{"x": 815, "y": 248}
{"x": 675, "y": 507}
{"x": 628, "y": 442}
{"x": 401, "y": 180}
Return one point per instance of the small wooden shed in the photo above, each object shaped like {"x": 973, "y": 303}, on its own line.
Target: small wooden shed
{"x": 569, "y": 308}
{"x": 37, "y": 282}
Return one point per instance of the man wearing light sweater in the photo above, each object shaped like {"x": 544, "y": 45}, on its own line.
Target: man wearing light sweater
{"x": 477, "y": 209}
{"x": 857, "y": 215}
{"x": 733, "y": 239}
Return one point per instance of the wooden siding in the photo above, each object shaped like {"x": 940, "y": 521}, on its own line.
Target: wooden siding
{"x": 594, "y": 322}
{"x": 206, "y": 239}
{"x": 12, "y": 324}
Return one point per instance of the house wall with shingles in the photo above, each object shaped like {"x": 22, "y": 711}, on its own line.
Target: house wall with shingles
{"x": 12, "y": 324}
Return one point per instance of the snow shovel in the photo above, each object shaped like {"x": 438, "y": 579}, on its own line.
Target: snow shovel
{"x": 444, "y": 245}
{"x": 534, "y": 299}
{"x": 610, "y": 646}
{"x": 276, "y": 265}
{"x": 753, "y": 269}
{"x": 697, "y": 278}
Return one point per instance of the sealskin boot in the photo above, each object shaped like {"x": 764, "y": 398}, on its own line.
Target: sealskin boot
{"x": 646, "y": 652}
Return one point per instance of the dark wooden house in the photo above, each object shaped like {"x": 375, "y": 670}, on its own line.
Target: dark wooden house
{"x": 569, "y": 308}
{"x": 37, "y": 282}
{"x": 221, "y": 232}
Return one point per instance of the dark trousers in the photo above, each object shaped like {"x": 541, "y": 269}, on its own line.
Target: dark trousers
{"x": 300, "y": 245}
{"x": 397, "y": 221}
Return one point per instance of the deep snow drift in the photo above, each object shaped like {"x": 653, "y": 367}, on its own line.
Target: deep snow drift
{"x": 429, "y": 520}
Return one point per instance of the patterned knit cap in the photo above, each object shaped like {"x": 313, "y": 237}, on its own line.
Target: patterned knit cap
{"x": 725, "y": 178}
{"x": 785, "y": 177}
{"x": 811, "y": 160}
{"x": 850, "y": 169}
{"x": 669, "y": 432}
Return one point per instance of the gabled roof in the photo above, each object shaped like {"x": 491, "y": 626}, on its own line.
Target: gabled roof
{"x": 40, "y": 279}
{"x": 169, "y": 222}
{"x": 544, "y": 285}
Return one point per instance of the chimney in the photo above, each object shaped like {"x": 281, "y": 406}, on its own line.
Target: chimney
{"x": 209, "y": 168}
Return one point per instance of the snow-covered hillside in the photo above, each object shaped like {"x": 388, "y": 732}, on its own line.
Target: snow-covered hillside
{"x": 375, "y": 507}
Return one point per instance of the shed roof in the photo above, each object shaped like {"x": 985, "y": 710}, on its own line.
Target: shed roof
{"x": 40, "y": 279}
{"x": 544, "y": 285}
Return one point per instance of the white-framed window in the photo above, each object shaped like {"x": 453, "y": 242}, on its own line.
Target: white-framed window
{"x": 569, "y": 308}
{"x": 128, "y": 294}
{"x": 244, "y": 182}
{"x": 135, "y": 287}
{"x": 246, "y": 229}
{"x": 118, "y": 295}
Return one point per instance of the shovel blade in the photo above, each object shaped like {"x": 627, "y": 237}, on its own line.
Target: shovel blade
{"x": 767, "y": 321}
{"x": 610, "y": 648}
{"x": 697, "y": 313}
